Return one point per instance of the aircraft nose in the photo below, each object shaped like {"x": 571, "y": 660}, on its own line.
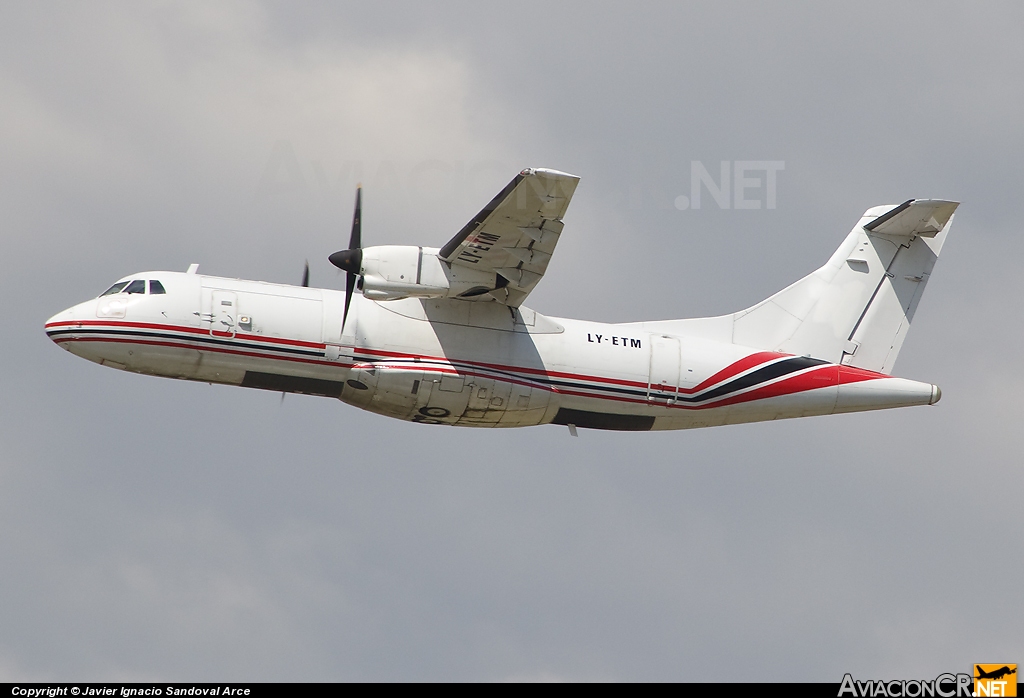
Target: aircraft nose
{"x": 66, "y": 318}
{"x": 54, "y": 324}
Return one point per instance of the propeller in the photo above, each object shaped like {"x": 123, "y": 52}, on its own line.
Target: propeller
{"x": 350, "y": 261}
{"x": 305, "y": 275}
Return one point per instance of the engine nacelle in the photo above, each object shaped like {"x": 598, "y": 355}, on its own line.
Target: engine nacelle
{"x": 392, "y": 272}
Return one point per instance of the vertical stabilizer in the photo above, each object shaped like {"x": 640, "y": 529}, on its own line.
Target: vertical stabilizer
{"x": 857, "y": 308}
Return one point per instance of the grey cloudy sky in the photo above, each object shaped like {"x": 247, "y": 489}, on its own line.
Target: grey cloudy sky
{"x": 160, "y": 530}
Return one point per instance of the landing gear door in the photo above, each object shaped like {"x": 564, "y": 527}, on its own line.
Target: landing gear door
{"x": 446, "y": 401}
{"x": 663, "y": 380}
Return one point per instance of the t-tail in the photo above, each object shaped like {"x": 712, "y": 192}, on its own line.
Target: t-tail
{"x": 857, "y": 308}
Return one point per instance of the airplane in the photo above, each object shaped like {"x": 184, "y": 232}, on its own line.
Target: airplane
{"x": 996, "y": 674}
{"x": 441, "y": 335}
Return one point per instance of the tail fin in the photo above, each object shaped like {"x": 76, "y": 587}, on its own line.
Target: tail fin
{"x": 856, "y": 309}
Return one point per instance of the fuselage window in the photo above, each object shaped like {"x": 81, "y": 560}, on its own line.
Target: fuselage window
{"x": 116, "y": 288}
{"x": 156, "y": 287}
{"x": 137, "y": 286}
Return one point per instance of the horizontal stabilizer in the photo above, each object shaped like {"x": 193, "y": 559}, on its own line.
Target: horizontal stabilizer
{"x": 924, "y": 217}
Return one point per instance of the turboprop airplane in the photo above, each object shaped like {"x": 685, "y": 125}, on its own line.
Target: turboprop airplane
{"x": 441, "y": 336}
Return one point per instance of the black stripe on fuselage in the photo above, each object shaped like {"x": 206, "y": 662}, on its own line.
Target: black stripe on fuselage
{"x": 761, "y": 375}
{"x": 543, "y": 380}
{"x": 216, "y": 341}
{"x": 764, "y": 374}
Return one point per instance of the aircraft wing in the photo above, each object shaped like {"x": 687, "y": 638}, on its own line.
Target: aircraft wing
{"x": 516, "y": 233}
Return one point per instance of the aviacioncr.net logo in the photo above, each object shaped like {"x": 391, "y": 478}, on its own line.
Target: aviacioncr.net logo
{"x": 995, "y": 680}
{"x": 942, "y": 686}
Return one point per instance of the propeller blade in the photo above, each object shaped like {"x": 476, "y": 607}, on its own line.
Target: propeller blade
{"x": 305, "y": 275}
{"x": 351, "y": 260}
{"x": 356, "y": 239}
{"x": 350, "y": 284}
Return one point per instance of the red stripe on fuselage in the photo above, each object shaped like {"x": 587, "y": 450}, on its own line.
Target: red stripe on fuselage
{"x": 824, "y": 376}
{"x": 212, "y": 348}
{"x": 744, "y": 364}
{"x": 502, "y": 367}
{"x": 189, "y": 330}
{"x": 852, "y": 374}
{"x": 747, "y": 362}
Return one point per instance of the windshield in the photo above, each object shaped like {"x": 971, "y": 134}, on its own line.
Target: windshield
{"x": 116, "y": 288}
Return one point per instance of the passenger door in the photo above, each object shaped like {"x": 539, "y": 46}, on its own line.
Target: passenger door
{"x": 224, "y": 313}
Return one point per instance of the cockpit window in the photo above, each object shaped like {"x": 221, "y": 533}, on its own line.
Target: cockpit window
{"x": 116, "y": 288}
{"x": 137, "y": 286}
{"x": 156, "y": 287}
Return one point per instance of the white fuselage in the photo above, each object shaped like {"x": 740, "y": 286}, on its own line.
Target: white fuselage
{"x": 467, "y": 363}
